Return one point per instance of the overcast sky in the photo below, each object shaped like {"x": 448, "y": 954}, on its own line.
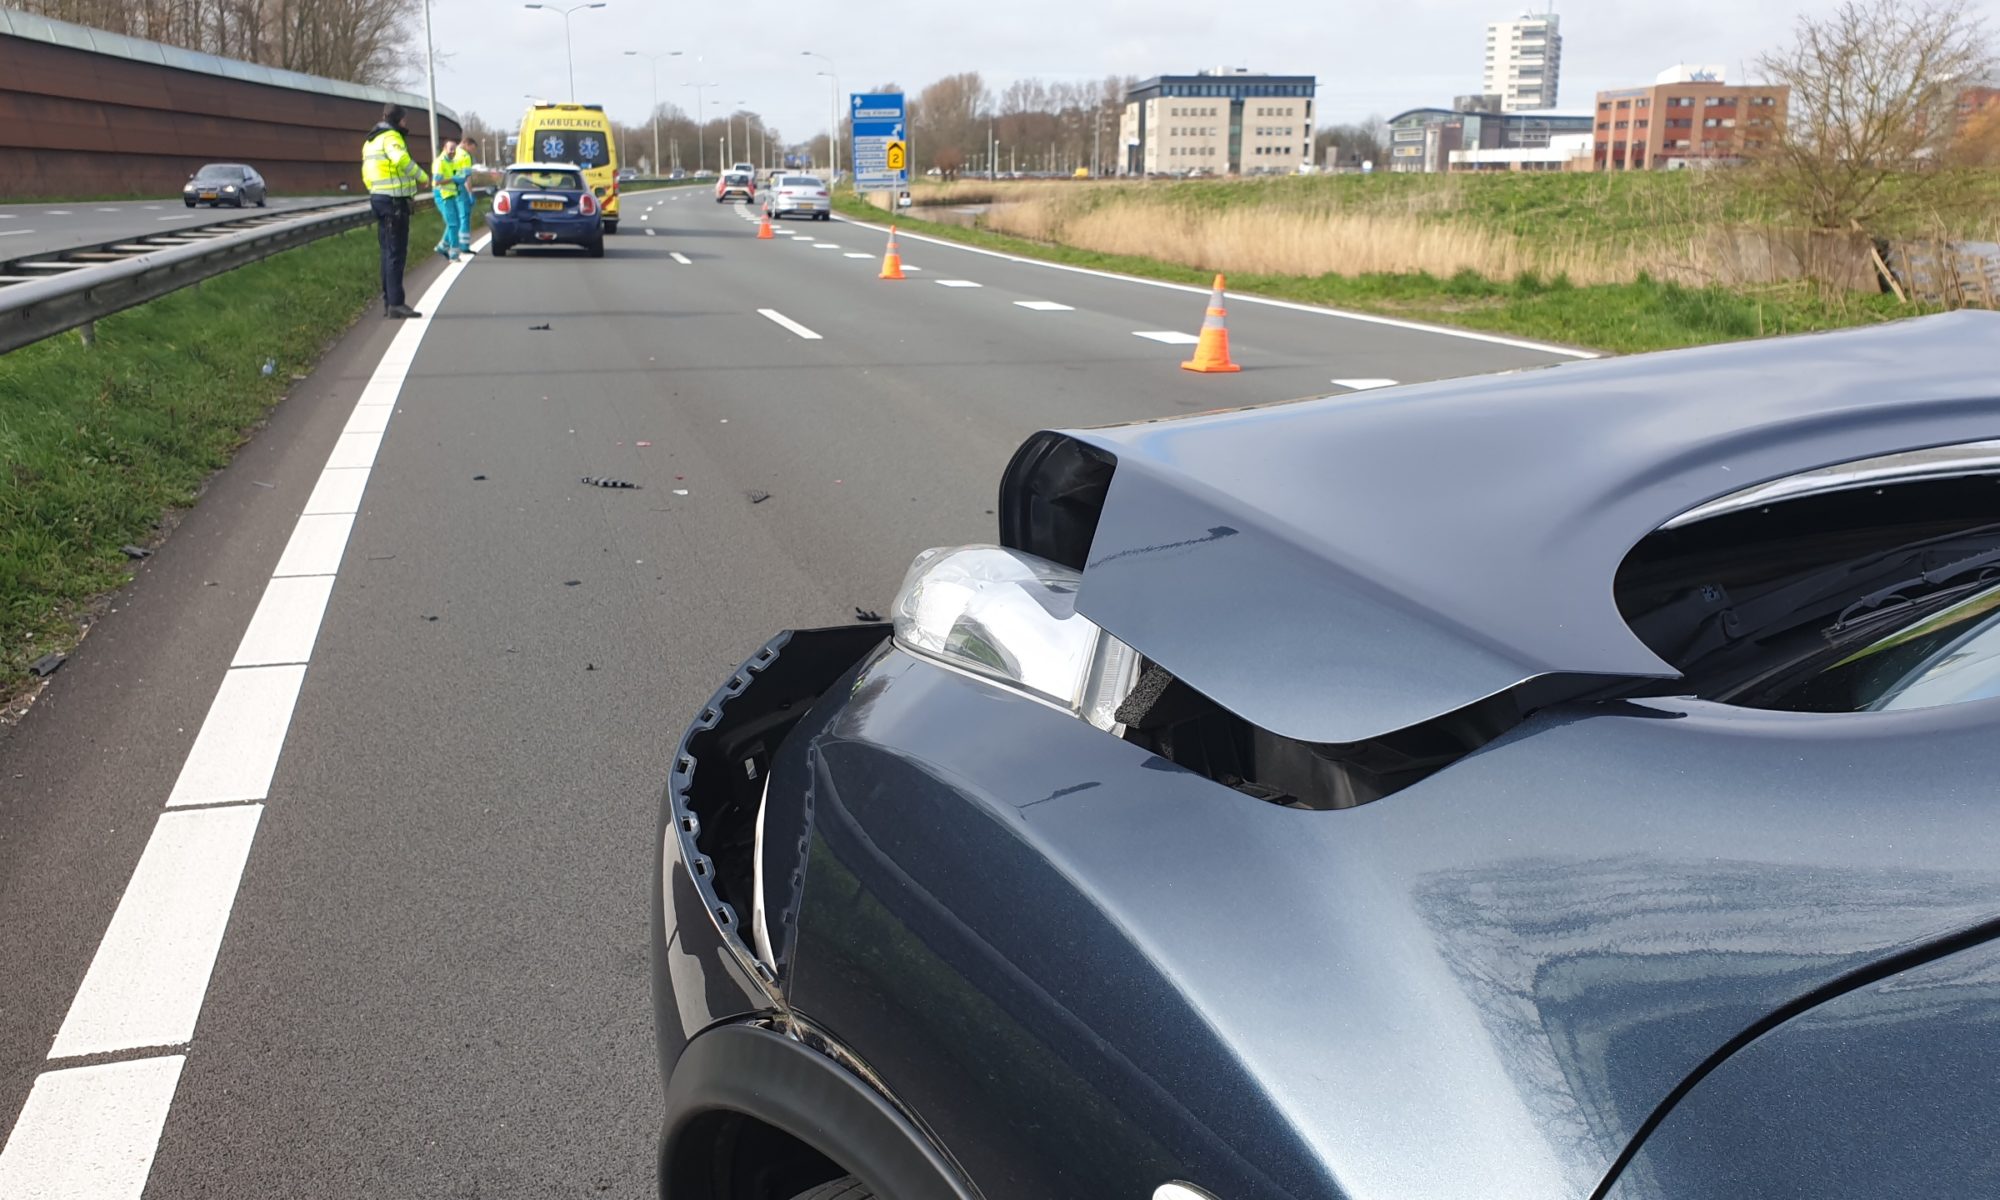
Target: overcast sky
{"x": 1372, "y": 58}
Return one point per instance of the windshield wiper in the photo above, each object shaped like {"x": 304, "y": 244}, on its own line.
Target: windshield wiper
{"x": 1907, "y": 589}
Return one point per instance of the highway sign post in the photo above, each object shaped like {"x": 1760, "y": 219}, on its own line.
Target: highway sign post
{"x": 880, "y": 140}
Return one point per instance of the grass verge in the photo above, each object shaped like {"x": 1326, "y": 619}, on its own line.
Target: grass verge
{"x": 99, "y": 443}
{"x": 1645, "y": 314}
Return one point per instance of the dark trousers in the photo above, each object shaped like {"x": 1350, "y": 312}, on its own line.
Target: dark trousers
{"x": 392, "y": 233}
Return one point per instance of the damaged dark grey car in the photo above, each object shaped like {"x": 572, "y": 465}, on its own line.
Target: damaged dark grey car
{"x": 1578, "y": 783}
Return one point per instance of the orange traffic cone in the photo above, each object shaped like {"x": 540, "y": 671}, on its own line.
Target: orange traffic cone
{"x": 1212, "y": 352}
{"x": 764, "y": 233}
{"x": 892, "y": 262}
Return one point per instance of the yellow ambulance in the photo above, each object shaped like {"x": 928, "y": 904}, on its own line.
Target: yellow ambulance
{"x": 580, "y": 134}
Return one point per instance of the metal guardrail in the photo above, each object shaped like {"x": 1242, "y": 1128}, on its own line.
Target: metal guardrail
{"x": 47, "y": 294}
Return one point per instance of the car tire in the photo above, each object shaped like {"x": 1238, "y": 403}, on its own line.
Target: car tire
{"x": 263, "y": 201}
{"x": 499, "y": 248}
{"x": 190, "y": 204}
{"x": 847, "y": 1187}
{"x": 596, "y": 248}
{"x": 611, "y": 227}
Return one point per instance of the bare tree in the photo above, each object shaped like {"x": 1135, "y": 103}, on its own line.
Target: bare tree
{"x": 1873, "y": 86}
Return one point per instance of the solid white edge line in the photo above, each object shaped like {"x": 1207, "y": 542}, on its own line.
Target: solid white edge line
{"x": 355, "y": 449}
{"x": 1363, "y": 385}
{"x": 286, "y": 623}
{"x": 236, "y": 752}
{"x": 1241, "y": 297}
{"x": 90, "y": 1133}
{"x": 338, "y": 491}
{"x": 774, "y": 315}
{"x": 146, "y": 982}
{"x": 318, "y": 542}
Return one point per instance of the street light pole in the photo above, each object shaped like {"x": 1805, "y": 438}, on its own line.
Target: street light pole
{"x": 833, "y": 107}
{"x": 657, "y": 168}
{"x": 746, "y": 129}
{"x": 430, "y": 78}
{"x": 700, "y": 148}
{"x": 569, "y": 53}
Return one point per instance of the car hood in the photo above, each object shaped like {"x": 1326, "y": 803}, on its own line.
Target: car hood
{"x": 1337, "y": 569}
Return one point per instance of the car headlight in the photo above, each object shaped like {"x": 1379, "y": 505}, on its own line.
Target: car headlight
{"x": 1011, "y": 618}
{"x": 228, "y": 187}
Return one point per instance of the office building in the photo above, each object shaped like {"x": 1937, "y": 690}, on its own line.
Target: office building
{"x": 1689, "y": 116}
{"x": 1524, "y": 62}
{"x": 1423, "y": 139}
{"x": 1565, "y": 152}
{"x": 1227, "y": 121}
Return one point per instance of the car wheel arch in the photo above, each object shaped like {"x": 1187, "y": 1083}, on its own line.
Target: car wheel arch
{"x": 744, "y": 1072}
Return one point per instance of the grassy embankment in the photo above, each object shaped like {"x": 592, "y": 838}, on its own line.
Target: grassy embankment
{"x": 99, "y": 443}
{"x": 1623, "y": 262}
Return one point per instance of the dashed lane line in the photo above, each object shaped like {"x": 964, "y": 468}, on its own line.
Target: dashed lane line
{"x": 956, "y": 283}
{"x": 774, "y": 315}
{"x": 1044, "y": 306}
{"x": 1171, "y": 337}
{"x": 682, "y": 259}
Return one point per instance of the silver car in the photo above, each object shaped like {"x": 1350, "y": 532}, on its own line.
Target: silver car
{"x": 798, "y": 195}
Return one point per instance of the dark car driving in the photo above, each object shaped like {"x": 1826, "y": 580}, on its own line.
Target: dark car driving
{"x": 545, "y": 204}
{"x": 1573, "y": 784}
{"x": 218, "y": 184}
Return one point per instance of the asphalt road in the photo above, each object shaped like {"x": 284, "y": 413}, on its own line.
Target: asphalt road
{"x": 36, "y": 228}
{"x": 433, "y": 977}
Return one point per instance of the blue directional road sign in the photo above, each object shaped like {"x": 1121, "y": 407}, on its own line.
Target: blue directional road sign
{"x": 881, "y": 141}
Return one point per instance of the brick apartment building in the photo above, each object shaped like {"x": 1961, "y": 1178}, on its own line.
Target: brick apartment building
{"x": 1689, "y": 114}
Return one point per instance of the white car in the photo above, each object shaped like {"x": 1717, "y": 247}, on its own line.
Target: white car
{"x": 798, "y": 195}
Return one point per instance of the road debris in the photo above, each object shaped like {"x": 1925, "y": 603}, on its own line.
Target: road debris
{"x": 757, "y": 497}
{"x": 270, "y": 366}
{"x": 47, "y": 665}
{"x": 477, "y": 478}
{"x": 571, "y": 582}
{"x": 380, "y": 557}
{"x": 430, "y": 617}
{"x": 135, "y": 552}
{"x": 539, "y": 327}
{"x": 594, "y": 481}
{"x": 680, "y": 491}
{"x": 642, "y": 443}
{"x": 867, "y": 616}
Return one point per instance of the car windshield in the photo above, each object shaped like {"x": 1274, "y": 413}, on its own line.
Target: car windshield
{"x": 586, "y": 148}
{"x": 801, "y": 181}
{"x": 220, "y": 172}
{"x": 734, "y": 177}
{"x": 546, "y": 180}
{"x": 1949, "y": 657}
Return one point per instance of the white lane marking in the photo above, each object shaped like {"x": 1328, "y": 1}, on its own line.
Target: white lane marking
{"x": 12, "y": 232}
{"x": 9, "y": 217}
{"x": 109, "y": 210}
{"x": 908, "y": 267}
{"x": 57, "y": 212}
{"x": 652, "y": 233}
{"x": 1171, "y": 337}
{"x": 145, "y": 985}
{"x": 236, "y": 752}
{"x": 316, "y": 546}
{"x": 853, "y": 254}
{"x": 368, "y": 418}
{"x": 1241, "y": 298}
{"x": 956, "y": 283}
{"x": 286, "y": 623}
{"x": 680, "y": 258}
{"x": 152, "y": 208}
{"x": 645, "y": 216}
{"x": 825, "y": 246}
{"x": 186, "y": 216}
{"x": 355, "y": 450}
{"x": 338, "y": 491}
{"x": 790, "y": 324}
{"x": 802, "y": 237}
{"x": 1362, "y": 385}
{"x": 90, "y": 1139}
{"x": 90, "y": 1133}
{"x": 1044, "y": 306}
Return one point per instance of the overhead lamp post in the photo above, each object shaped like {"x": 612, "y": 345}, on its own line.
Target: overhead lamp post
{"x": 700, "y": 150}
{"x": 431, "y": 79}
{"x": 833, "y": 99}
{"x": 569, "y": 54}
{"x": 656, "y": 98}
{"x": 746, "y": 126}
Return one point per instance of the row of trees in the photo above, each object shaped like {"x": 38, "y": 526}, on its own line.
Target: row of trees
{"x": 356, "y": 40}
